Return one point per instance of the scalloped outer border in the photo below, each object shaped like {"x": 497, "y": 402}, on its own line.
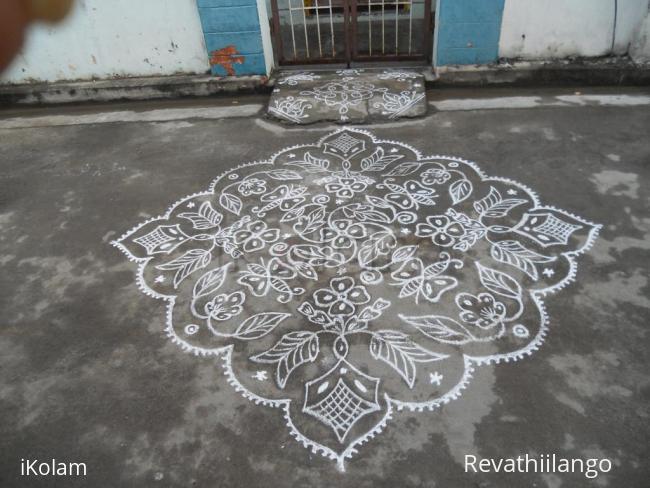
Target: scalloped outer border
{"x": 470, "y": 362}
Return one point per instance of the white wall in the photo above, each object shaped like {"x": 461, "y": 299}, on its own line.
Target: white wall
{"x": 534, "y": 29}
{"x": 107, "y": 38}
{"x": 552, "y": 29}
{"x": 629, "y": 19}
{"x": 640, "y": 46}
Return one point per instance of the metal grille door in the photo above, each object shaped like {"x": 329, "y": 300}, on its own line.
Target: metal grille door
{"x": 342, "y": 31}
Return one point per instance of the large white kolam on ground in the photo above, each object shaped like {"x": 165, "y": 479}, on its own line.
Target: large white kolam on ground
{"x": 347, "y": 279}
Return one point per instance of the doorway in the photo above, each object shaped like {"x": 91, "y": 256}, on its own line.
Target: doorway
{"x": 351, "y": 31}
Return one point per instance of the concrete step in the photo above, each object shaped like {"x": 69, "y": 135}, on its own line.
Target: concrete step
{"x": 348, "y": 96}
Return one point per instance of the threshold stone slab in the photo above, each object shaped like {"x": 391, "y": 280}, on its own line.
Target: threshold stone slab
{"x": 347, "y": 96}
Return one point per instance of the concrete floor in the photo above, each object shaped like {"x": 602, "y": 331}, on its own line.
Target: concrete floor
{"x": 87, "y": 374}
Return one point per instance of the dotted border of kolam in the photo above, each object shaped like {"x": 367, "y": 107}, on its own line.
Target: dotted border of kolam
{"x": 471, "y": 362}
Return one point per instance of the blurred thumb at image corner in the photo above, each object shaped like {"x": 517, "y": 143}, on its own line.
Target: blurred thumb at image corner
{"x": 16, "y": 15}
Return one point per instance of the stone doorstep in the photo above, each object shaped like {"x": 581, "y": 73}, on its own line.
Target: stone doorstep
{"x": 347, "y": 96}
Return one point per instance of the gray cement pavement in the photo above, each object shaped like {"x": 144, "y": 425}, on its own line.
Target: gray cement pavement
{"x": 89, "y": 374}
